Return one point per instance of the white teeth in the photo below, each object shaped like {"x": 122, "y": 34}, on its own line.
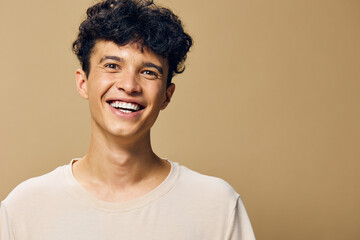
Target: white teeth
{"x": 124, "y": 105}
{"x": 125, "y": 111}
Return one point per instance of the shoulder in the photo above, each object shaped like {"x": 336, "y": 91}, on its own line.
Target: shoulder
{"x": 207, "y": 187}
{"x": 35, "y": 188}
{"x": 206, "y": 182}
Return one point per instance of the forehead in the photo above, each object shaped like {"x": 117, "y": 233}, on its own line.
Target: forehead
{"x": 131, "y": 51}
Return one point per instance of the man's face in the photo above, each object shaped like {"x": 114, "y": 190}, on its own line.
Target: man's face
{"x": 126, "y": 89}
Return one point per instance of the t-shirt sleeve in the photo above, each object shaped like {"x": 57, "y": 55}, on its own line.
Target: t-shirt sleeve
{"x": 5, "y": 228}
{"x": 240, "y": 226}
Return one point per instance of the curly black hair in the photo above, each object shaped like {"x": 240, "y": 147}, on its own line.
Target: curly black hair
{"x": 134, "y": 21}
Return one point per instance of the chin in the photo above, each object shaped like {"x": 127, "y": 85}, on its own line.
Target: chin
{"x": 126, "y": 133}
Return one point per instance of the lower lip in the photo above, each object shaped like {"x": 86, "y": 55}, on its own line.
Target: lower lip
{"x": 121, "y": 114}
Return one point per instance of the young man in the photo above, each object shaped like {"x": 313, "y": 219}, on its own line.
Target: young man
{"x": 129, "y": 51}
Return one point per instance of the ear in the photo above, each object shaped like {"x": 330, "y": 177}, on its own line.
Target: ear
{"x": 169, "y": 93}
{"x": 81, "y": 83}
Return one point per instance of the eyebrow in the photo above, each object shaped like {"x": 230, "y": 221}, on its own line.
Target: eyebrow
{"x": 116, "y": 58}
{"x": 145, "y": 64}
{"x": 149, "y": 64}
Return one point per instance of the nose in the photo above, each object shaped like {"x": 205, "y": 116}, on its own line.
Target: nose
{"x": 128, "y": 83}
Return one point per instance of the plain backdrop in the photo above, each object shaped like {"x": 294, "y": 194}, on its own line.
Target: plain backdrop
{"x": 269, "y": 101}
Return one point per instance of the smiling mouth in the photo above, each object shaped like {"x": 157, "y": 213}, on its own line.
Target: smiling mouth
{"x": 126, "y": 107}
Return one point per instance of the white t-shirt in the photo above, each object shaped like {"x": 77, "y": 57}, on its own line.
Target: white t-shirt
{"x": 185, "y": 206}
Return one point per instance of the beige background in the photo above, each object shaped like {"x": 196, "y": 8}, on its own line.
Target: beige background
{"x": 269, "y": 102}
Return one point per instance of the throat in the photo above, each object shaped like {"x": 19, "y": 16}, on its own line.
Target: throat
{"x": 113, "y": 186}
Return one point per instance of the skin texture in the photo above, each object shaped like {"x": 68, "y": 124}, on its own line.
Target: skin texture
{"x": 120, "y": 164}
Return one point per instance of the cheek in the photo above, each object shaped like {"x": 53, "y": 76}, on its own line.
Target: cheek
{"x": 157, "y": 89}
{"x": 98, "y": 86}
{"x": 158, "y": 95}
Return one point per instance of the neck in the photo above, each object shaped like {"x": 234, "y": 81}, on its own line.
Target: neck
{"x": 120, "y": 164}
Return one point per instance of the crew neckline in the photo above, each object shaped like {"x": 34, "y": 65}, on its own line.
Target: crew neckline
{"x": 85, "y": 197}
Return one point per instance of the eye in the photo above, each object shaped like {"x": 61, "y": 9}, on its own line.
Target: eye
{"x": 112, "y": 65}
{"x": 150, "y": 74}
